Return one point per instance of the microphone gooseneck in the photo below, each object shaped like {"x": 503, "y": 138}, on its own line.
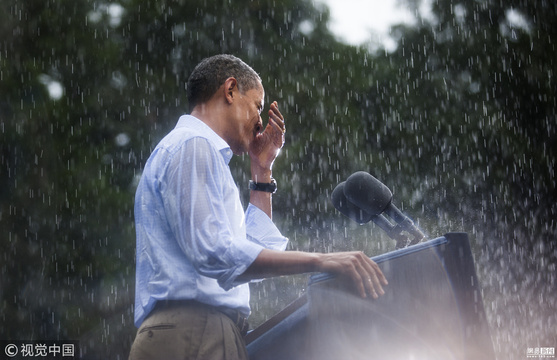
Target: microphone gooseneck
{"x": 363, "y": 198}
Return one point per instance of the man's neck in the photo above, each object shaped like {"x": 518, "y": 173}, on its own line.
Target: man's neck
{"x": 206, "y": 113}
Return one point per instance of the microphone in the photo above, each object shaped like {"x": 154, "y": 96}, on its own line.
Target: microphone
{"x": 363, "y": 198}
{"x": 347, "y": 208}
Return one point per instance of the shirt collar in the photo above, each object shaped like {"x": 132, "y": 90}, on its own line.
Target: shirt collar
{"x": 194, "y": 123}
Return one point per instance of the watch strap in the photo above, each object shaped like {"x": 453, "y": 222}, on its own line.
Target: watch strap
{"x": 266, "y": 187}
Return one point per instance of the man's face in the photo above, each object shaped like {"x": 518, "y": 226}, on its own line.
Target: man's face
{"x": 246, "y": 123}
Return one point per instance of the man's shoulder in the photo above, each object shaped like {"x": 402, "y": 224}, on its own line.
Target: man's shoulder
{"x": 191, "y": 137}
{"x": 179, "y": 136}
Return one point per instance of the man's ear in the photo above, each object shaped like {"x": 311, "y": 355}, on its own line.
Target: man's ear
{"x": 230, "y": 89}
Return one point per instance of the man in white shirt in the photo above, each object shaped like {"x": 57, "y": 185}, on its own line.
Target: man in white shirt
{"x": 196, "y": 248}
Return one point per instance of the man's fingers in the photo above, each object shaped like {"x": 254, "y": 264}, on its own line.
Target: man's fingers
{"x": 275, "y": 110}
{"x": 380, "y": 274}
{"x": 363, "y": 273}
{"x": 277, "y": 130}
{"x": 375, "y": 287}
{"x": 372, "y": 277}
{"x": 360, "y": 282}
{"x": 362, "y": 276}
{"x": 276, "y": 119}
{"x": 280, "y": 128}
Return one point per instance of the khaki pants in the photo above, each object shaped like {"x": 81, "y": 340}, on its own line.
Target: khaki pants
{"x": 188, "y": 332}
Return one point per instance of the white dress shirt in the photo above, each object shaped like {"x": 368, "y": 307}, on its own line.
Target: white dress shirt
{"x": 193, "y": 237}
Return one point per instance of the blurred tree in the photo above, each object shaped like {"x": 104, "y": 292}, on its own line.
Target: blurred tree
{"x": 66, "y": 169}
{"x": 470, "y": 97}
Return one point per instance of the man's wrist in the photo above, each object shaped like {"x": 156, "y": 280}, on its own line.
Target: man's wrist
{"x": 269, "y": 187}
{"x": 260, "y": 175}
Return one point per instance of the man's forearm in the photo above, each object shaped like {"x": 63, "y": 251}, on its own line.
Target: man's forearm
{"x": 271, "y": 263}
{"x": 366, "y": 276}
{"x": 261, "y": 199}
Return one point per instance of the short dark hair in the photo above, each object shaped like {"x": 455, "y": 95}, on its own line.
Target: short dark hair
{"x": 212, "y": 72}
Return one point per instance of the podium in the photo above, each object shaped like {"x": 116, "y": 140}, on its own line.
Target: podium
{"x": 432, "y": 309}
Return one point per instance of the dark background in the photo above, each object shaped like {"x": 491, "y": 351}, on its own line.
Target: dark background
{"x": 459, "y": 121}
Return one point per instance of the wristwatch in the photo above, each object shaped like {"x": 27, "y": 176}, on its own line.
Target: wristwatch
{"x": 266, "y": 187}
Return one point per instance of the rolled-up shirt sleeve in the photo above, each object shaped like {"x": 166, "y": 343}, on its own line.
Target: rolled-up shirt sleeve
{"x": 260, "y": 229}
{"x": 203, "y": 216}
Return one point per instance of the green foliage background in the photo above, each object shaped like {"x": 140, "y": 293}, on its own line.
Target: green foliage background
{"x": 459, "y": 121}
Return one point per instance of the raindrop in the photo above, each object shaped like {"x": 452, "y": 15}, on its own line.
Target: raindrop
{"x": 54, "y": 88}
{"x": 122, "y": 139}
